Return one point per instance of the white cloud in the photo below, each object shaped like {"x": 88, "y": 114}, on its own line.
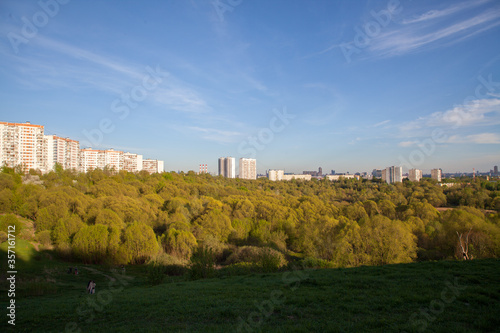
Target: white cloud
{"x": 408, "y": 143}
{"x": 480, "y": 112}
{"x": 216, "y": 135}
{"x": 436, "y": 13}
{"x": 381, "y": 123}
{"x": 484, "y": 138}
{"x": 472, "y": 113}
{"x": 416, "y": 34}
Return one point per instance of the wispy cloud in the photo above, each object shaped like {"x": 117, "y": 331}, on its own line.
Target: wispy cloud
{"x": 481, "y": 112}
{"x": 437, "y": 13}
{"x": 408, "y": 38}
{"x": 481, "y": 138}
{"x": 408, "y": 143}
{"x": 220, "y": 136}
{"x": 381, "y": 123}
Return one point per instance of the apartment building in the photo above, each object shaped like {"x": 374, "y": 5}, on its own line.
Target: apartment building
{"x": 152, "y": 166}
{"x": 59, "y": 150}
{"x": 393, "y": 174}
{"x": 132, "y": 162}
{"x": 436, "y": 174}
{"x": 91, "y": 159}
{"x": 21, "y": 144}
{"x": 248, "y": 168}
{"x": 227, "y": 167}
{"x": 275, "y": 175}
{"x": 414, "y": 175}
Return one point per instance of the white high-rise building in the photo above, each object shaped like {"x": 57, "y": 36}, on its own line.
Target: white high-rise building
{"x": 393, "y": 174}
{"x": 152, "y": 166}
{"x": 414, "y": 175}
{"x": 132, "y": 162}
{"x": 276, "y": 175}
{"x": 63, "y": 151}
{"x": 227, "y": 167}
{"x": 222, "y": 166}
{"x": 436, "y": 174}
{"x": 91, "y": 159}
{"x": 248, "y": 168}
{"x": 21, "y": 144}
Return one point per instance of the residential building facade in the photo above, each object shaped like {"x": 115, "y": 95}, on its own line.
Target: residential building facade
{"x": 248, "y": 168}
{"x": 21, "y": 144}
{"x": 153, "y": 166}
{"x": 393, "y": 174}
{"x": 275, "y": 175}
{"x": 436, "y": 174}
{"x": 414, "y": 175}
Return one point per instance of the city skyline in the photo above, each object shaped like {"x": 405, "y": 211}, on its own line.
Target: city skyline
{"x": 350, "y": 86}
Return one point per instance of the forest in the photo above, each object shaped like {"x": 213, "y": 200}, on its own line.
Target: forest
{"x": 104, "y": 217}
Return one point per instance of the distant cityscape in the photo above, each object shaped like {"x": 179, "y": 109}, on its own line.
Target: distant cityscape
{"x": 26, "y": 145}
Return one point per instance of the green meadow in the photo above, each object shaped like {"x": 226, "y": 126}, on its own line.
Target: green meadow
{"x": 444, "y": 296}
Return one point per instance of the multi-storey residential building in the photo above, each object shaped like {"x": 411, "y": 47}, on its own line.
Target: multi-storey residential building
{"x": 414, "y": 175}
{"x": 152, "y": 166}
{"x": 25, "y": 145}
{"x": 275, "y": 175}
{"x": 248, "y": 168}
{"x": 378, "y": 173}
{"x": 63, "y": 151}
{"x": 393, "y": 174}
{"x": 338, "y": 177}
{"x": 436, "y": 174}
{"x": 113, "y": 159}
{"x": 132, "y": 162}
{"x": 222, "y": 166}
{"x": 91, "y": 159}
{"x": 227, "y": 167}
{"x": 298, "y": 177}
{"x": 21, "y": 144}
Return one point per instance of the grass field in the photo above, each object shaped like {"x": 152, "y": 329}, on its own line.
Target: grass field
{"x": 446, "y": 296}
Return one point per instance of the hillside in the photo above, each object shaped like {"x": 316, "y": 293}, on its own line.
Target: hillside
{"x": 446, "y": 296}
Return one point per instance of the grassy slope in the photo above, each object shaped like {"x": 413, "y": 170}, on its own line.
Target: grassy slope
{"x": 360, "y": 299}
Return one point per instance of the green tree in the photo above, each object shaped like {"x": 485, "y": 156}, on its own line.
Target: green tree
{"x": 90, "y": 243}
{"x": 140, "y": 242}
{"x": 179, "y": 243}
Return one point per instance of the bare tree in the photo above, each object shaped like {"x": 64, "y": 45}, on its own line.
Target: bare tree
{"x": 465, "y": 251}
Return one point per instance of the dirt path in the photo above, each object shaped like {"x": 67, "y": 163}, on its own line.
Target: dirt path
{"x": 112, "y": 279}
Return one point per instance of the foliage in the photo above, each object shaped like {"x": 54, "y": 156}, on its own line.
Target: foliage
{"x": 202, "y": 264}
{"x": 156, "y": 273}
{"x": 126, "y": 218}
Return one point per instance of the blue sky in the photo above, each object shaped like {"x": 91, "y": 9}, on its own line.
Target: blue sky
{"x": 345, "y": 85}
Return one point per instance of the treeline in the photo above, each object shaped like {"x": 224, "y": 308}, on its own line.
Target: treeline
{"x": 126, "y": 218}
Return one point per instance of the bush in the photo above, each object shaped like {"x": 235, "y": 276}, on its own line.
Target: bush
{"x": 43, "y": 237}
{"x": 268, "y": 259}
{"x": 176, "y": 270}
{"x": 311, "y": 262}
{"x": 3, "y": 236}
{"x": 240, "y": 268}
{"x": 156, "y": 273}
{"x": 271, "y": 260}
{"x": 202, "y": 264}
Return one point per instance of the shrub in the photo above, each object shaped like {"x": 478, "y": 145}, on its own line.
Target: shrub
{"x": 176, "y": 270}
{"x": 267, "y": 258}
{"x": 43, "y": 237}
{"x": 156, "y": 273}
{"x": 271, "y": 260}
{"x": 311, "y": 262}
{"x": 202, "y": 264}
{"x": 241, "y": 268}
{"x": 3, "y": 236}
